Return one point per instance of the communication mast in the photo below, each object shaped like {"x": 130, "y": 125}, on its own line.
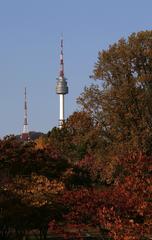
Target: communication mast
{"x": 61, "y": 87}
{"x": 25, "y": 134}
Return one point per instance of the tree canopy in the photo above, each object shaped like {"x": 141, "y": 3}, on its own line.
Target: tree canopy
{"x": 123, "y": 105}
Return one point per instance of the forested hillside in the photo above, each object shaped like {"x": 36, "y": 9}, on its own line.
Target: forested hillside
{"x": 91, "y": 179}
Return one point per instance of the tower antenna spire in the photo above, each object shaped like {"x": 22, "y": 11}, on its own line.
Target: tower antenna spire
{"x": 61, "y": 59}
{"x": 61, "y": 86}
{"x": 25, "y": 132}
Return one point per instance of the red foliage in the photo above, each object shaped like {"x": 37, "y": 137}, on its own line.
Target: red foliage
{"x": 122, "y": 209}
{"x": 128, "y": 215}
{"x": 92, "y": 166}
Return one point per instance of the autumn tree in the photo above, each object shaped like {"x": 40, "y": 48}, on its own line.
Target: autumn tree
{"x": 126, "y": 213}
{"x": 123, "y": 104}
{"x": 18, "y": 158}
{"x": 119, "y": 211}
{"x": 75, "y": 138}
{"x": 28, "y": 203}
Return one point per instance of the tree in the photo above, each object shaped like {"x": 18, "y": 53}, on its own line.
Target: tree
{"x": 18, "y": 158}
{"x": 75, "y": 138}
{"x": 120, "y": 211}
{"x": 28, "y": 203}
{"x": 123, "y": 107}
{"x": 126, "y": 214}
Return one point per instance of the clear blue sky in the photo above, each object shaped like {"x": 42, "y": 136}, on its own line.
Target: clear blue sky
{"x": 30, "y": 33}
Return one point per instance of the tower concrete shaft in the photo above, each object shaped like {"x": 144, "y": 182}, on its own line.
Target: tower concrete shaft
{"x": 61, "y": 119}
{"x": 25, "y": 133}
{"x": 61, "y": 86}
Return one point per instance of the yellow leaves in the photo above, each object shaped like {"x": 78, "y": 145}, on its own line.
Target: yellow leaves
{"x": 40, "y": 143}
{"x": 129, "y": 238}
{"x": 35, "y": 191}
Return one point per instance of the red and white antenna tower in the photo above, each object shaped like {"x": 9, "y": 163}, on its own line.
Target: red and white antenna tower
{"x": 61, "y": 60}
{"x": 25, "y": 134}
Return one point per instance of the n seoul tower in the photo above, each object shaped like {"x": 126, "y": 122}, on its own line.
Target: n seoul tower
{"x": 61, "y": 87}
{"x": 25, "y": 134}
